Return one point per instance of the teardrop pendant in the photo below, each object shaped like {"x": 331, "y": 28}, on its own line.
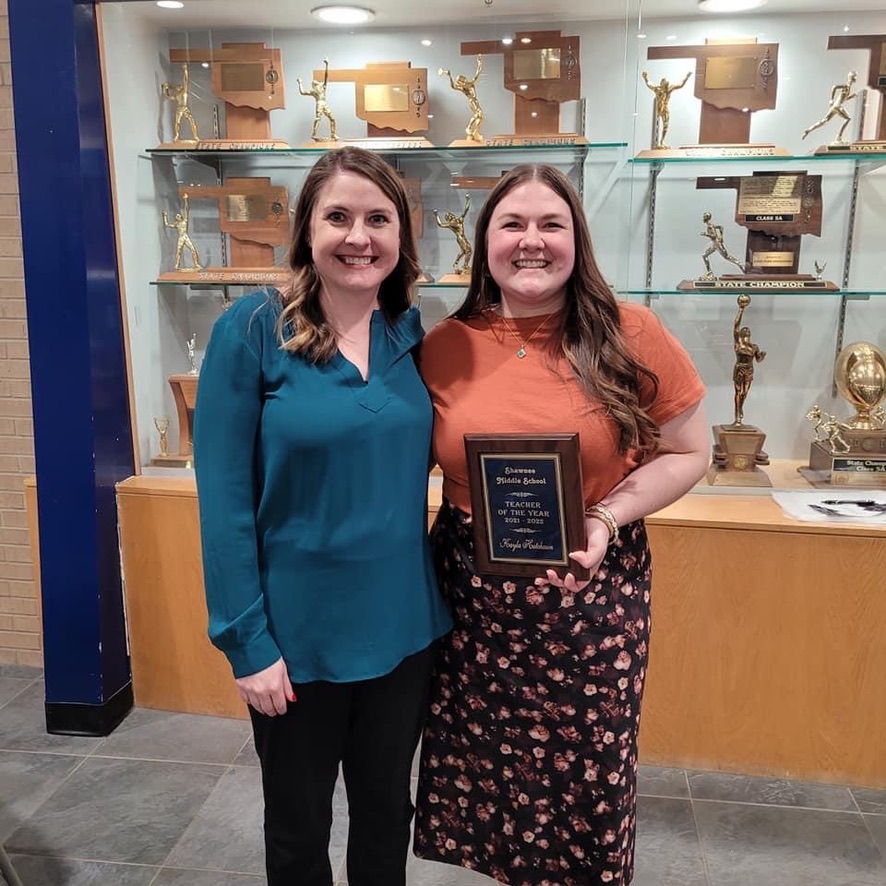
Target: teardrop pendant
{"x": 521, "y": 353}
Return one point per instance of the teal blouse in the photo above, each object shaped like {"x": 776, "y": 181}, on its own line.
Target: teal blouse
{"x": 312, "y": 486}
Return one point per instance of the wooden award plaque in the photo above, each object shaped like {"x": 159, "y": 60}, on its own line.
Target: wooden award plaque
{"x": 527, "y": 503}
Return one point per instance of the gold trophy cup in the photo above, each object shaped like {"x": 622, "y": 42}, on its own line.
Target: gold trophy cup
{"x": 853, "y": 453}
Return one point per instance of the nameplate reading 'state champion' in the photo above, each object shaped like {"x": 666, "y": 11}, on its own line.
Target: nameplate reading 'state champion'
{"x": 527, "y": 503}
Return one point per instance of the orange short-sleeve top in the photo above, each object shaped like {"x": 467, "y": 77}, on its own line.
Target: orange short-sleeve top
{"x": 479, "y": 385}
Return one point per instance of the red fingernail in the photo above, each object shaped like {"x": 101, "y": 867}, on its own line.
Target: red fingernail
{"x": 292, "y": 697}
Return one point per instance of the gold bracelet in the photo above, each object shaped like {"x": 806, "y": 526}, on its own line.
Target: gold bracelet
{"x": 602, "y": 513}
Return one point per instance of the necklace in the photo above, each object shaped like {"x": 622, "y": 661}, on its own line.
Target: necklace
{"x": 521, "y": 353}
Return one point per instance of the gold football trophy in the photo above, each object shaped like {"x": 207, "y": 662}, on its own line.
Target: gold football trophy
{"x": 852, "y": 453}
{"x": 461, "y": 267}
{"x": 738, "y": 448}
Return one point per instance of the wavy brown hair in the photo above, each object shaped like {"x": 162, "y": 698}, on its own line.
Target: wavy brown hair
{"x": 589, "y": 334}
{"x": 302, "y": 326}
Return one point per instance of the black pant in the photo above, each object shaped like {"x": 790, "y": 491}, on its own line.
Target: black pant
{"x": 372, "y": 728}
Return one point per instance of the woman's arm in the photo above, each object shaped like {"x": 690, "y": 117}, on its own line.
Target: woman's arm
{"x": 229, "y": 406}
{"x": 681, "y": 461}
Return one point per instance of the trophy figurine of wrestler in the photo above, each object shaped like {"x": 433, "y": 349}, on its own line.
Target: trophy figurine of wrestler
{"x": 456, "y": 223}
{"x": 663, "y": 90}
{"x": 840, "y": 94}
{"x": 179, "y": 93}
{"x": 714, "y": 233}
{"x": 162, "y": 426}
{"x": 469, "y": 89}
{"x": 321, "y": 106}
{"x": 180, "y": 224}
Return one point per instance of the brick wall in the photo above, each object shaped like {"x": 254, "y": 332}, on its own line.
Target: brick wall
{"x": 20, "y": 638}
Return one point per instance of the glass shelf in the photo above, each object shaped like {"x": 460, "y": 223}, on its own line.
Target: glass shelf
{"x": 857, "y": 294}
{"x": 862, "y": 157}
{"x": 389, "y": 147}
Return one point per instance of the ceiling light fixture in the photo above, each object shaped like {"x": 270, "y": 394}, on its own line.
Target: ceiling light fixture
{"x": 729, "y": 5}
{"x": 170, "y": 4}
{"x": 341, "y": 14}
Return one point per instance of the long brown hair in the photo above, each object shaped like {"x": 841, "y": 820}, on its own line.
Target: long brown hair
{"x": 589, "y": 335}
{"x": 302, "y": 326}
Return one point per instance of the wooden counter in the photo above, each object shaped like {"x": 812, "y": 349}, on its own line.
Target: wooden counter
{"x": 769, "y": 640}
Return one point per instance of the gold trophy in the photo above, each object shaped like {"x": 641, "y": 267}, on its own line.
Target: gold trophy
{"x": 461, "y": 267}
{"x": 852, "y": 453}
{"x": 248, "y": 78}
{"x": 184, "y": 393}
{"x": 179, "y": 93}
{"x": 662, "y": 115}
{"x": 732, "y": 80}
{"x": 321, "y": 106}
{"x": 184, "y": 241}
{"x": 840, "y": 94}
{"x": 738, "y": 448}
{"x": 162, "y": 426}
{"x": 252, "y": 217}
{"x": 875, "y": 46}
{"x": 392, "y": 99}
{"x": 469, "y": 88}
{"x": 777, "y": 209}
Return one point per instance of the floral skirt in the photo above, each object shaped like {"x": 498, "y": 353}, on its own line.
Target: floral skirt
{"x": 529, "y": 756}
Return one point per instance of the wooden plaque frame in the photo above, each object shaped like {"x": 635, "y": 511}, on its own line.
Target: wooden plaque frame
{"x": 526, "y": 455}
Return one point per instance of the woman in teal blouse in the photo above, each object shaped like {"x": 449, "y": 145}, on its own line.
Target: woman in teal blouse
{"x": 311, "y": 448}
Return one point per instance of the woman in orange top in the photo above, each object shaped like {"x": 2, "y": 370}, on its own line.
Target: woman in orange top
{"x": 529, "y": 757}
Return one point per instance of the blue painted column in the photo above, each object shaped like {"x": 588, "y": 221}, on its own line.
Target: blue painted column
{"x": 82, "y": 430}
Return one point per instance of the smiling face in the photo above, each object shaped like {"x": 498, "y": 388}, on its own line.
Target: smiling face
{"x": 354, "y": 237}
{"x": 531, "y": 249}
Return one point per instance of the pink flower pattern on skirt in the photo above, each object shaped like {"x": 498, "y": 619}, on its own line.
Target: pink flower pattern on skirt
{"x": 529, "y": 755}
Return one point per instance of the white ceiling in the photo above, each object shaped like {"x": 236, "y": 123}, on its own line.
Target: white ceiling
{"x": 412, "y": 13}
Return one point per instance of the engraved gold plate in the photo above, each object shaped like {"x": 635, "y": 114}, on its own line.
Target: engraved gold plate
{"x": 243, "y": 77}
{"x": 379, "y": 98}
{"x": 772, "y": 259}
{"x": 537, "y": 64}
{"x": 762, "y": 194}
{"x": 247, "y": 207}
{"x": 734, "y": 72}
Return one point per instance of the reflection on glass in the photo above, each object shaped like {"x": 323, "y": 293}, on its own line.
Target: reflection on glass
{"x": 537, "y": 64}
{"x": 383, "y": 97}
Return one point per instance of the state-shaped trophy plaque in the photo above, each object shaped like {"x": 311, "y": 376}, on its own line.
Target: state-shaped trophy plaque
{"x": 777, "y": 208}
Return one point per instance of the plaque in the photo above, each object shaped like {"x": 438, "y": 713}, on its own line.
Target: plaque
{"x": 777, "y": 208}
{"x": 732, "y": 80}
{"x": 253, "y": 214}
{"x": 527, "y": 503}
{"x": 542, "y": 69}
{"x": 392, "y": 98}
{"x": 248, "y": 77}
{"x": 852, "y": 452}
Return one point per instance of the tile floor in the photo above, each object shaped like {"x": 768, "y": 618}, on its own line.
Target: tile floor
{"x": 174, "y": 800}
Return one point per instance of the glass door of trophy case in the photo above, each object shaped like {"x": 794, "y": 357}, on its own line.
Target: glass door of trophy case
{"x": 217, "y": 112}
